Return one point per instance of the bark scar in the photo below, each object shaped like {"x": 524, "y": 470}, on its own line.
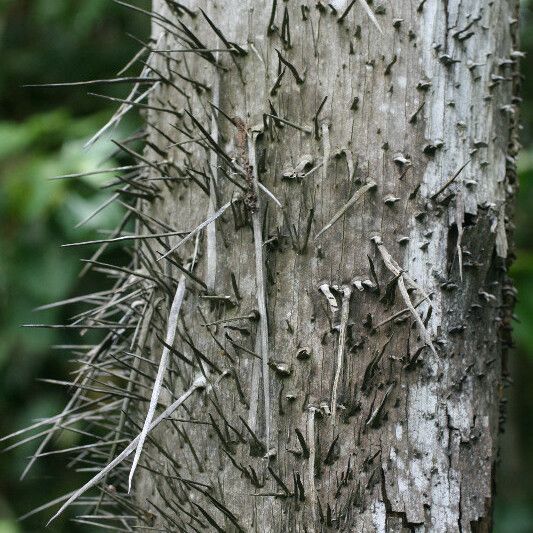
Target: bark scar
{"x": 251, "y": 166}
{"x": 342, "y": 327}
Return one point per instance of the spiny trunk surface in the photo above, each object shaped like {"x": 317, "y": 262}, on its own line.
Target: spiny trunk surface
{"x": 334, "y": 404}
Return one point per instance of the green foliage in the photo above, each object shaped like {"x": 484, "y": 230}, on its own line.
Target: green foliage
{"x": 522, "y": 269}
{"x": 42, "y": 132}
{"x": 9, "y": 526}
{"x": 37, "y": 215}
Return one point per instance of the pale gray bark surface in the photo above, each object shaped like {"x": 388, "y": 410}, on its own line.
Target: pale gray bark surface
{"x": 366, "y": 425}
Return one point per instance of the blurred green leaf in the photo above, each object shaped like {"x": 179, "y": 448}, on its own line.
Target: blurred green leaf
{"x": 9, "y": 526}
{"x": 42, "y": 133}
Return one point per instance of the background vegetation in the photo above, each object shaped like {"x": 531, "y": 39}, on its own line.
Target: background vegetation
{"x": 41, "y": 135}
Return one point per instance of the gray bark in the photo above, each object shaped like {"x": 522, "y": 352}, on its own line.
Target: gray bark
{"x": 333, "y": 404}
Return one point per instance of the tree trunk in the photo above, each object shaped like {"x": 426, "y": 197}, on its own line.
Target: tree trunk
{"x": 360, "y": 388}
{"x": 347, "y": 304}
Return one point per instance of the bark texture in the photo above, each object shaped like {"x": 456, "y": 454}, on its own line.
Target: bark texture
{"x": 348, "y": 168}
{"x": 373, "y": 419}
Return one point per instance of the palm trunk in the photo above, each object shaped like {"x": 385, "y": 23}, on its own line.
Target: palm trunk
{"x": 348, "y": 303}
